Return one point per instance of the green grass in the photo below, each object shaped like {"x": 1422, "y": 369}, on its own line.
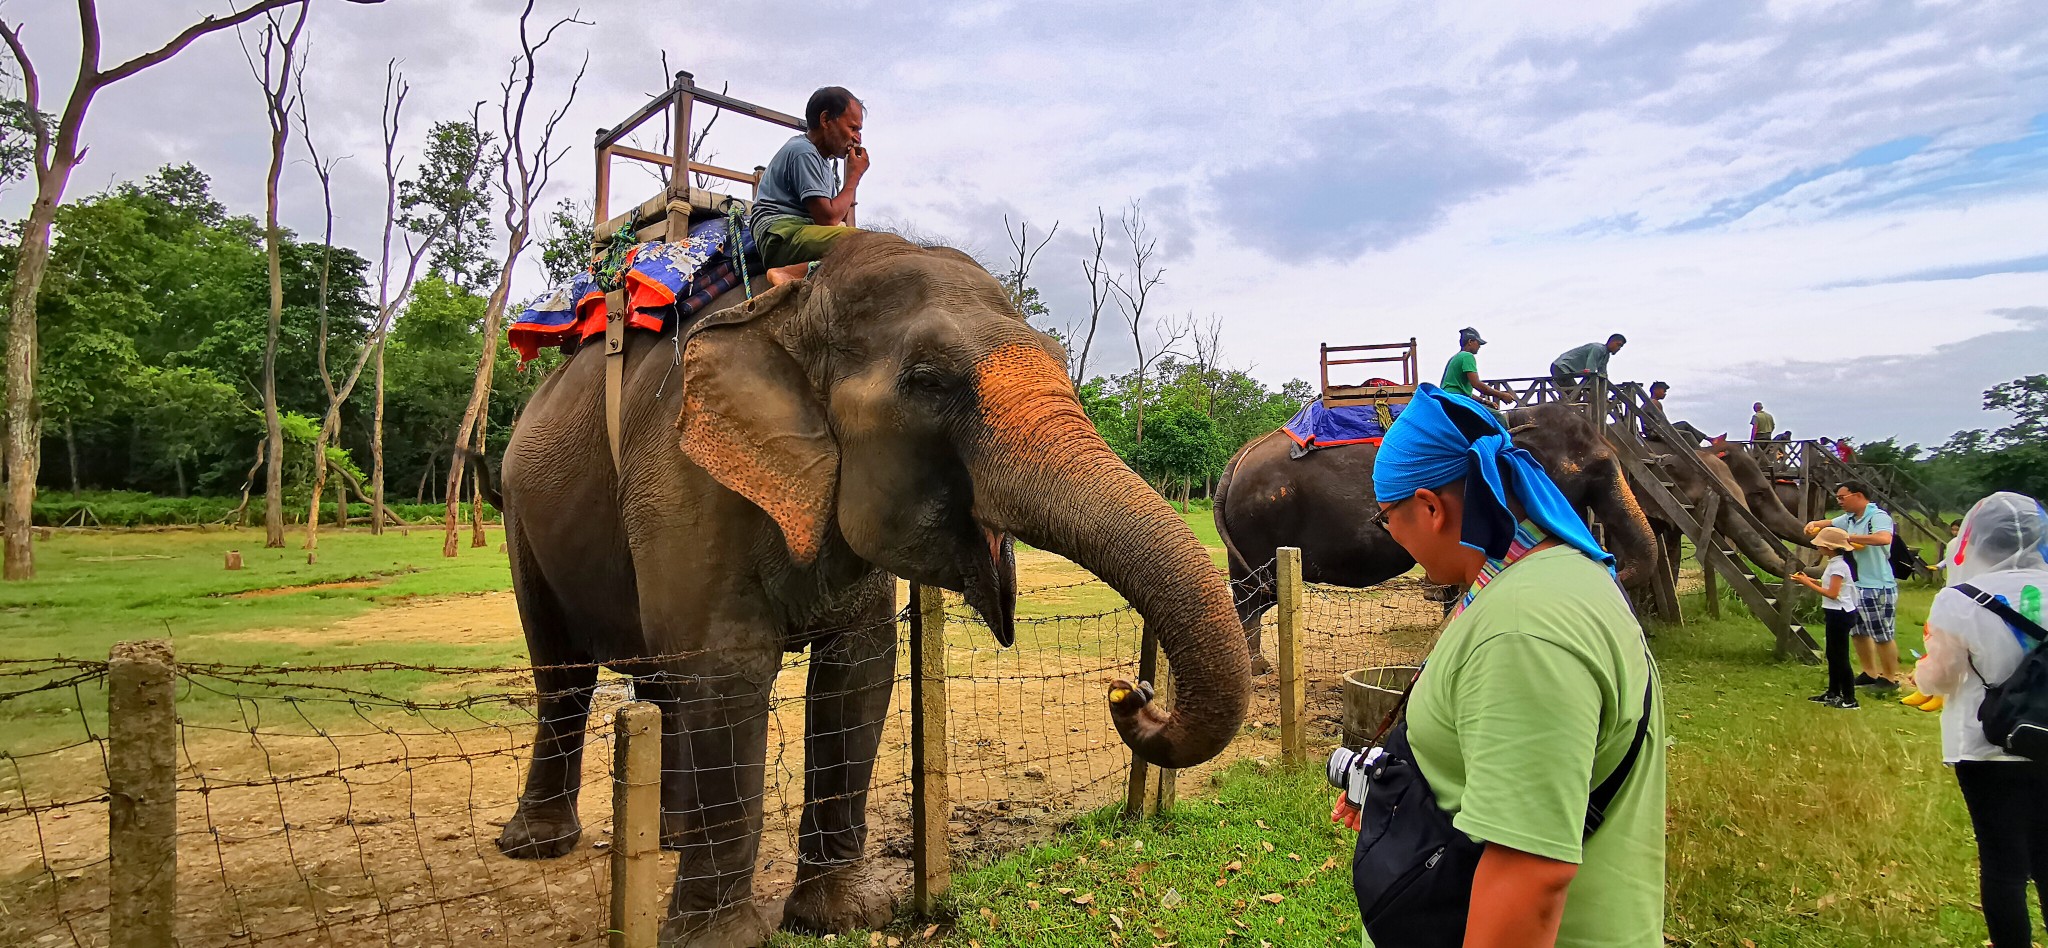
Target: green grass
{"x": 1790, "y": 825}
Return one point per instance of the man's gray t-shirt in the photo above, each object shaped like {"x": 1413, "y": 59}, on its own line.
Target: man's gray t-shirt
{"x": 796, "y": 174}
{"x": 1592, "y": 355}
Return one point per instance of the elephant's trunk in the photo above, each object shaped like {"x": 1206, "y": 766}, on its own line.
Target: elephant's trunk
{"x": 1628, "y": 533}
{"x": 1042, "y": 473}
{"x": 1752, "y": 544}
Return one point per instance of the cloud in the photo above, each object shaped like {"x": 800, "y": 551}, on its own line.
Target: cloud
{"x": 1967, "y": 271}
{"x": 1920, "y": 397}
{"x": 1360, "y": 182}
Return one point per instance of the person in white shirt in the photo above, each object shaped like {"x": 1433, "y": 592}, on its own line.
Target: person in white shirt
{"x": 1837, "y": 588}
{"x": 1948, "y": 554}
{"x": 2004, "y": 553}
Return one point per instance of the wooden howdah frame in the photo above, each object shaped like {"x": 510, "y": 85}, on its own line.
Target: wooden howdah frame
{"x": 1396, "y": 353}
{"x": 669, "y": 214}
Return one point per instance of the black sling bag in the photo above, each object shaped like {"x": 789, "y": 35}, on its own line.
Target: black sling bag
{"x": 2015, "y": 711}
{"x": 1412, "y": 870}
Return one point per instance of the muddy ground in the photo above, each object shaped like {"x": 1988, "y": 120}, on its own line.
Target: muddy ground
{"x": 327, "y": 822}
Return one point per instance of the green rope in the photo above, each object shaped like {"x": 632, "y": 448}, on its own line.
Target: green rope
{"x": 736, "y": 247}
{"x": 610, "y": 269}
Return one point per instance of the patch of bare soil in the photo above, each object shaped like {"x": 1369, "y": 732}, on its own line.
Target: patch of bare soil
{"x": 308, "y": 587}
{"x": 378, "y": 828}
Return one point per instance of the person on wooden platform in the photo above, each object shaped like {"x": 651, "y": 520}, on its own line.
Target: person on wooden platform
{"x": 1658, "y": 390}
{"x": 801, "y": 210}
{"x": 1761, "y": 424}
{"x": 1461, "y": 373}
{"x": 1580, "y": 365}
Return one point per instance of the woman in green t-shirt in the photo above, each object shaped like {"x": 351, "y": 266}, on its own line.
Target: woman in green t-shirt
{"x": 1535, "y": 691}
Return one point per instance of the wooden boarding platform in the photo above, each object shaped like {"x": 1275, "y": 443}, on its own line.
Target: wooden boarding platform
{"x": 1395, "y": 353}
{"x": 669, "y": 214}
{"x": 1621, "y": 414}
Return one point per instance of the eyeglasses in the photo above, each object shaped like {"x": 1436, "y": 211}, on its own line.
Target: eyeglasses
{"x": 1380, "y": 519}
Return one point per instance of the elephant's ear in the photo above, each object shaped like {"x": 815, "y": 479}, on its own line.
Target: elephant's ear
{"x": 753, "y": 420}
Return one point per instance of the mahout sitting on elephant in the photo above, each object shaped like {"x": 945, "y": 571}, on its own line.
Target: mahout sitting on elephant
{"x": 891, "y": 414}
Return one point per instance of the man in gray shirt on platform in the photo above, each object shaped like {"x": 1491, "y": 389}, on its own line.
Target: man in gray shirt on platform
{"x": 800, "y": 209}
{"x": 1578, "y": 366}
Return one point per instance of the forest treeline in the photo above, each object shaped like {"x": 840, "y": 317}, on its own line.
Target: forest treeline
{"x": 152, "y": 319}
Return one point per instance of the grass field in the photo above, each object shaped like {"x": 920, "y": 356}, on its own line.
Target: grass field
{"x": 1790, "y": 824}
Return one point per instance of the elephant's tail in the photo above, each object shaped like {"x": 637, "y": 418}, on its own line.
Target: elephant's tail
{"x": 1222, "y": 497}
{"x": 488, "y": 482}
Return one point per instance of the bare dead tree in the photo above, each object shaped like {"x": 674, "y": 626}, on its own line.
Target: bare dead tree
{"x": 57, "y": 153}
{"x": 391, "y": 300}
{"x": 1023, "y": 254}
{"x": 323, "y": 169}
{"x": 1098, "y": 277}
{"x": 1206, "y": 336}
{"x": 523, "y": 177}
{"x": 1132, "y": 291}
{"x": 271, "y": 64}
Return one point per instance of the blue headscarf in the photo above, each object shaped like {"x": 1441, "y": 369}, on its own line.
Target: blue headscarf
{"x": 1440, "y": 438}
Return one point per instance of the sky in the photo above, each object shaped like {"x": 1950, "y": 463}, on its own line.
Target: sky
{"x": 1837, "y": 208}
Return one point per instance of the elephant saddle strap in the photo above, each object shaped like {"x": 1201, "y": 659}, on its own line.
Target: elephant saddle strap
{"x": 614, "y": 369}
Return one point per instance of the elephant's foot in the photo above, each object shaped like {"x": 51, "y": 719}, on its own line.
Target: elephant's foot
{"x": 540, "y": 832}
{"x": 1260, "y": 666}
{"x": 837, "y": 901}
{"x": 735, "y": 926}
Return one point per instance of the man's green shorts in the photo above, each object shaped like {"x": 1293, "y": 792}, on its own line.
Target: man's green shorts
{"x": 788, "y": 240}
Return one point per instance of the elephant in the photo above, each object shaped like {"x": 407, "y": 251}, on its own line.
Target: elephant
{"x": 1760, "y": 491}
{"x": 1692, "y": 488}
{"x": 892, "y": 413}
{"x": 1322, "y": 503}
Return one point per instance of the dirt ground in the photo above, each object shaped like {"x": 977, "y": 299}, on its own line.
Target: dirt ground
{"x": 355, "y": 826}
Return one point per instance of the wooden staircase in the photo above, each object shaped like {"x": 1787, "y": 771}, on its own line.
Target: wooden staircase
{"x": 1620, "y": 413}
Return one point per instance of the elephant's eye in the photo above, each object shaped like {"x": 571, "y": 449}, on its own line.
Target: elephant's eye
{"x": 926, "y": 379}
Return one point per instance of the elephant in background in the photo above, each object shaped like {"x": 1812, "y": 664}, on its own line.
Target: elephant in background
{"x": 891, "y": 414}
{"x": 1322, "y": 503}
{"x": 1760, "y": 490}
{"x": 1692, "y": 487}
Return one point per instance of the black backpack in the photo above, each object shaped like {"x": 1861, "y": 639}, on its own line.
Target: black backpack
{"x": 1412, "y": 871}
{"x": 2015, "y": 711}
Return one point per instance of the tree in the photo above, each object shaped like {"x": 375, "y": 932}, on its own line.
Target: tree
{"x": 56, "y": 153}
{"x": 435, "y": 225}
{"x": 522, "y": 178}
{"x": 323, "y": 169}
{"x": 1132, "y": 291}
{"x": 1097, "y": 275}
{"x": 448, "y": 192}
{"x": 274, "y": 72}
{"x": 565, "y": 250}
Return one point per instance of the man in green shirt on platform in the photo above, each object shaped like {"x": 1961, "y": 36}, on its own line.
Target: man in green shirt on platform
{"x": 1461, "y": 374}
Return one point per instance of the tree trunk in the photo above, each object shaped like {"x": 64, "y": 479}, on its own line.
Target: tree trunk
{"x": 71, "y": 454}
{"x": 177, "y": 466}
{"x": 419, "y": 496}
{"x": 273, "y": 479}
{"x": 480, "y": 388}
{"x": 377, "y": 450}
{"x": 24, "y": 414}
{"x": 340, "y": 504}
{"x": 476, "y": 508}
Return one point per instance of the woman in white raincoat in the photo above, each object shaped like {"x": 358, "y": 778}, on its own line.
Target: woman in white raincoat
{"x": 2005, "y": 554}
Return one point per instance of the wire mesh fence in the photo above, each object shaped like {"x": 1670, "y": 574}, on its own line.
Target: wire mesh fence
{"x": 365, "y": 804}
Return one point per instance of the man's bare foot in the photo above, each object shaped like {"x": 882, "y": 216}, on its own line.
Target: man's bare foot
{"x": 788, "y": 274}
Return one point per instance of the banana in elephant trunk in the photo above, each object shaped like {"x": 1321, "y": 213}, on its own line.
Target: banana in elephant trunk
{"x": 1042, "y": 473}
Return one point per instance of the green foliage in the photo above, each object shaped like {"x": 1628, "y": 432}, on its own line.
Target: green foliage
{"x": 1976, "y": 462}
{"x": 1199, "y": 416}
{"x": 18, "y": 140}
{"x": 451, "y": 194}
{"x": 565, "y": 250}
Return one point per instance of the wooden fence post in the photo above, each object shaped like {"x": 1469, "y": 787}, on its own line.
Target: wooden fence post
{"x": 1293, "y": 699}
{"x": 142, "y": 795}
{"x": 1708, "y": 512}
{"x": 1139, "y": 792}
{"x": 931, "y": 856}
{"x": 636, "y": 827}
{"x": 1164, "y": 790}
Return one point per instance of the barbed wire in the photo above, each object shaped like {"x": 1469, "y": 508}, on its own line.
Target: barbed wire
{"x": 334, "y": 804}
